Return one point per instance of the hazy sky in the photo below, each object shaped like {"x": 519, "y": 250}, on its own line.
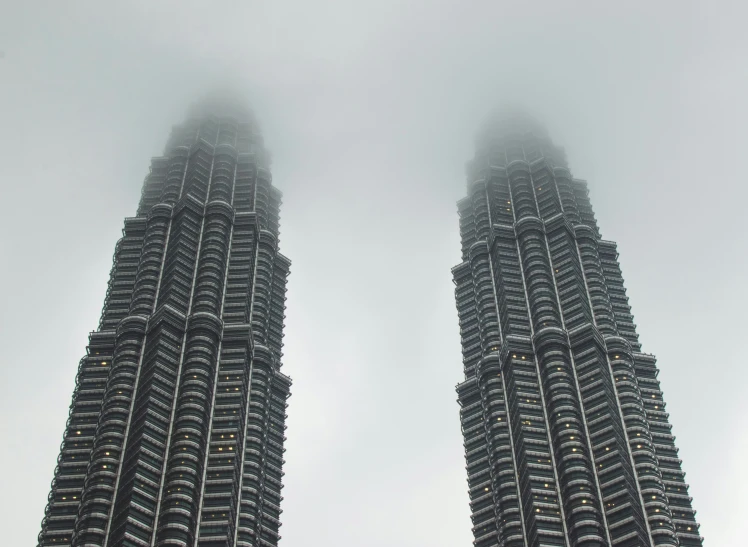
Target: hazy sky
{"x": 370, "y": 109}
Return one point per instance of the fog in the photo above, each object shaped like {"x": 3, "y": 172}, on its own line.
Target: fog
{"x": 370, "y": 110}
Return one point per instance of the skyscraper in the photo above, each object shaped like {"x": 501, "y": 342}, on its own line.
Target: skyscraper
{"x": 176, "y": 428}
{"x": 566, "y": 434}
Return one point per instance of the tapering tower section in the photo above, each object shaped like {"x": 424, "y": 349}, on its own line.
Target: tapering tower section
{"x": 567, "y": 439}
{"x": 176, "y": 427}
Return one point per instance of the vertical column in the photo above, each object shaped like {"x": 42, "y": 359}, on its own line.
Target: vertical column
{"x": 253, "y": 466}
{"x": 137, "y": 498}
{"x": 621, "y": 500}
{"x": 527, "y": 427}
{"x": 626, "y": 389}
{"x": 101, "y": 478}
{"x": 663, "y": 441}
{"x": 603, "y": 416}
{"x": 492, "y": 521}
{"x": 639, "y": 440}
{"x": 632, "y": 384}
{"x": 581, "y": 497}
{"x": 85, "y": 410}
{"x": 506, "y": 522}
{"x": 269, "y": 394}
{"x": 256, "y": 475}
{"x": 75, "y": 452}
{"x": 193, "y": 406}
{"x": 219, "y": 503}
{"x": 484, "y": 513}
{"x": 135, "y": 502}
{"x": 107, "y": 454}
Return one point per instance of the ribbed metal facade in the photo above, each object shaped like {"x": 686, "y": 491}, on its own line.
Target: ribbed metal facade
{"x": 176, "y": 428}
{"x": 567, "y": 439}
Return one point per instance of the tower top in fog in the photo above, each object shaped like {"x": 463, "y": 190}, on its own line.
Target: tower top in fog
{"x": 567, "y": 437}
{"x": 176, "y": 429}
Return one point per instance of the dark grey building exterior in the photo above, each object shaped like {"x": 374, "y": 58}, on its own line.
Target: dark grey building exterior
{"x": 567, "y": 438}
{"x": 176, "y": 428}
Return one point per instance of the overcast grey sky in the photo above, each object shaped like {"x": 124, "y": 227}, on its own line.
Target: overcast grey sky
{"x": 369, "y": 109}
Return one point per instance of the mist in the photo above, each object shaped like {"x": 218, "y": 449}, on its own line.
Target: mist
{"x": 370, "y": 110}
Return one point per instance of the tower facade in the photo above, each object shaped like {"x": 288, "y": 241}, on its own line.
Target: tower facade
{"x": 176, "y": 427}
{"x": 567, "y": 439}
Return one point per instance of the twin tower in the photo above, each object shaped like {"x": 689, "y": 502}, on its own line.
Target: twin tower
{"x": 176, "y": 428}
